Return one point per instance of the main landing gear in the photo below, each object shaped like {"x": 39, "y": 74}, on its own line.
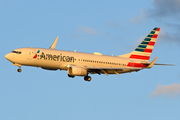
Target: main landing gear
{"x": 87, "y": 78}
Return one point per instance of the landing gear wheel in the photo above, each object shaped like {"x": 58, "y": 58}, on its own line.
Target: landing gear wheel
{"x": 87, "y": 78}
{"x": 19, "y": 70}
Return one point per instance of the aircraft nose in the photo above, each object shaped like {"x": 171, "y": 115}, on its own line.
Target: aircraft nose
{"x": 8, "y": 56}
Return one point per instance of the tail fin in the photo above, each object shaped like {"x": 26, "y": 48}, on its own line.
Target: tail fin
{"x": 145, "y": 48}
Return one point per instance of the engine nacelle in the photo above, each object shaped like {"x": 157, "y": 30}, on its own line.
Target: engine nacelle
{"x": 77, "y": 71}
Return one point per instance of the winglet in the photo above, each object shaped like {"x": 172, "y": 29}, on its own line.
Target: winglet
{"x": 152, "y": 63}
{"x": 53, "y": 46}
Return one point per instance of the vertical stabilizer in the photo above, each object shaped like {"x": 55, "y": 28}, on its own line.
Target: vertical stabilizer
{"x": 145, "y": 48}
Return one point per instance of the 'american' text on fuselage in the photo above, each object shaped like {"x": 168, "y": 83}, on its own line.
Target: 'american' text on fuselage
{"x": 56, "y": 57}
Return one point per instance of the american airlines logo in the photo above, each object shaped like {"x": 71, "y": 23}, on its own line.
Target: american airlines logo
{"x": 35, "y": 56}
{"x": 59, "y": 57}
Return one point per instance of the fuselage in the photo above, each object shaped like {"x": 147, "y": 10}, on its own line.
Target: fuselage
{"x": 59, "y": 59}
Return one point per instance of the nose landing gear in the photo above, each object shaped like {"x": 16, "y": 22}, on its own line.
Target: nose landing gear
{"x": 19, "y": 69}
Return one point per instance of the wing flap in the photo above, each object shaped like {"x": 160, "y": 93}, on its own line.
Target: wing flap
{"x": 107, "y": 70}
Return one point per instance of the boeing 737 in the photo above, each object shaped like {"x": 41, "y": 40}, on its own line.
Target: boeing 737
{"x": 83, "y": 64}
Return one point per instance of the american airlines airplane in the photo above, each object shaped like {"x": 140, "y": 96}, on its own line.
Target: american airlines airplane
{"x": 83, "y": 64}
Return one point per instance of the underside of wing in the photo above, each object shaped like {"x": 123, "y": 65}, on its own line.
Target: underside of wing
{"x": 107, "y": 71}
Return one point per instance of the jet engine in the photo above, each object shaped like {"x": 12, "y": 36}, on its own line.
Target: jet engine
{"x": 77, "y": 71}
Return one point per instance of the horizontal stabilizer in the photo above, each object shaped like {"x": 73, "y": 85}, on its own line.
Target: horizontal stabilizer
{"x": 160, "y": 64}
{"x": 165, "y": 64}
{"x": 53, "y": 46}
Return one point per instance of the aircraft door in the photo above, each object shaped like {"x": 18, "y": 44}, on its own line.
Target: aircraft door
{"x": 30, "y": 55}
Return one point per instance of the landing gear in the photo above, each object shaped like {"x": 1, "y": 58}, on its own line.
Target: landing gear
{"x": 87, "y": 78}
{"x": 19, "y": 70}
{"x": 71, "y": 76}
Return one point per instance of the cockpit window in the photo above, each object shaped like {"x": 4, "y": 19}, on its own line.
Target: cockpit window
{"x": 17, "y": 52}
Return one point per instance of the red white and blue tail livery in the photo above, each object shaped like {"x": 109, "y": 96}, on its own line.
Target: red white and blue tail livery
{"x": 145, "y": 48}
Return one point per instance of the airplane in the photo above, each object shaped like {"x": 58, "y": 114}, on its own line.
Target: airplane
{"x": 83, "y": 64}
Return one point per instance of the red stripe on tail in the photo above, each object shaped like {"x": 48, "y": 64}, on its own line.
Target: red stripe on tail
{"x": 155, "y": 36}
{"x": 151, "y": 43}
{"x": 140, "y": 57}
{"x": 148, "y": 50}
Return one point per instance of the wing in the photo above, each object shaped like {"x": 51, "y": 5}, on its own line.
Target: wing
{"x": 104, "y": 70}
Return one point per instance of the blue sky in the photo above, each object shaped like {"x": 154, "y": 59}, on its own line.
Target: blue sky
{"x": 109, "y": 27}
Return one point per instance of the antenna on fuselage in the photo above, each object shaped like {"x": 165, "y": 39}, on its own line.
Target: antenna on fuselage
{"x": 53, "y": 46}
